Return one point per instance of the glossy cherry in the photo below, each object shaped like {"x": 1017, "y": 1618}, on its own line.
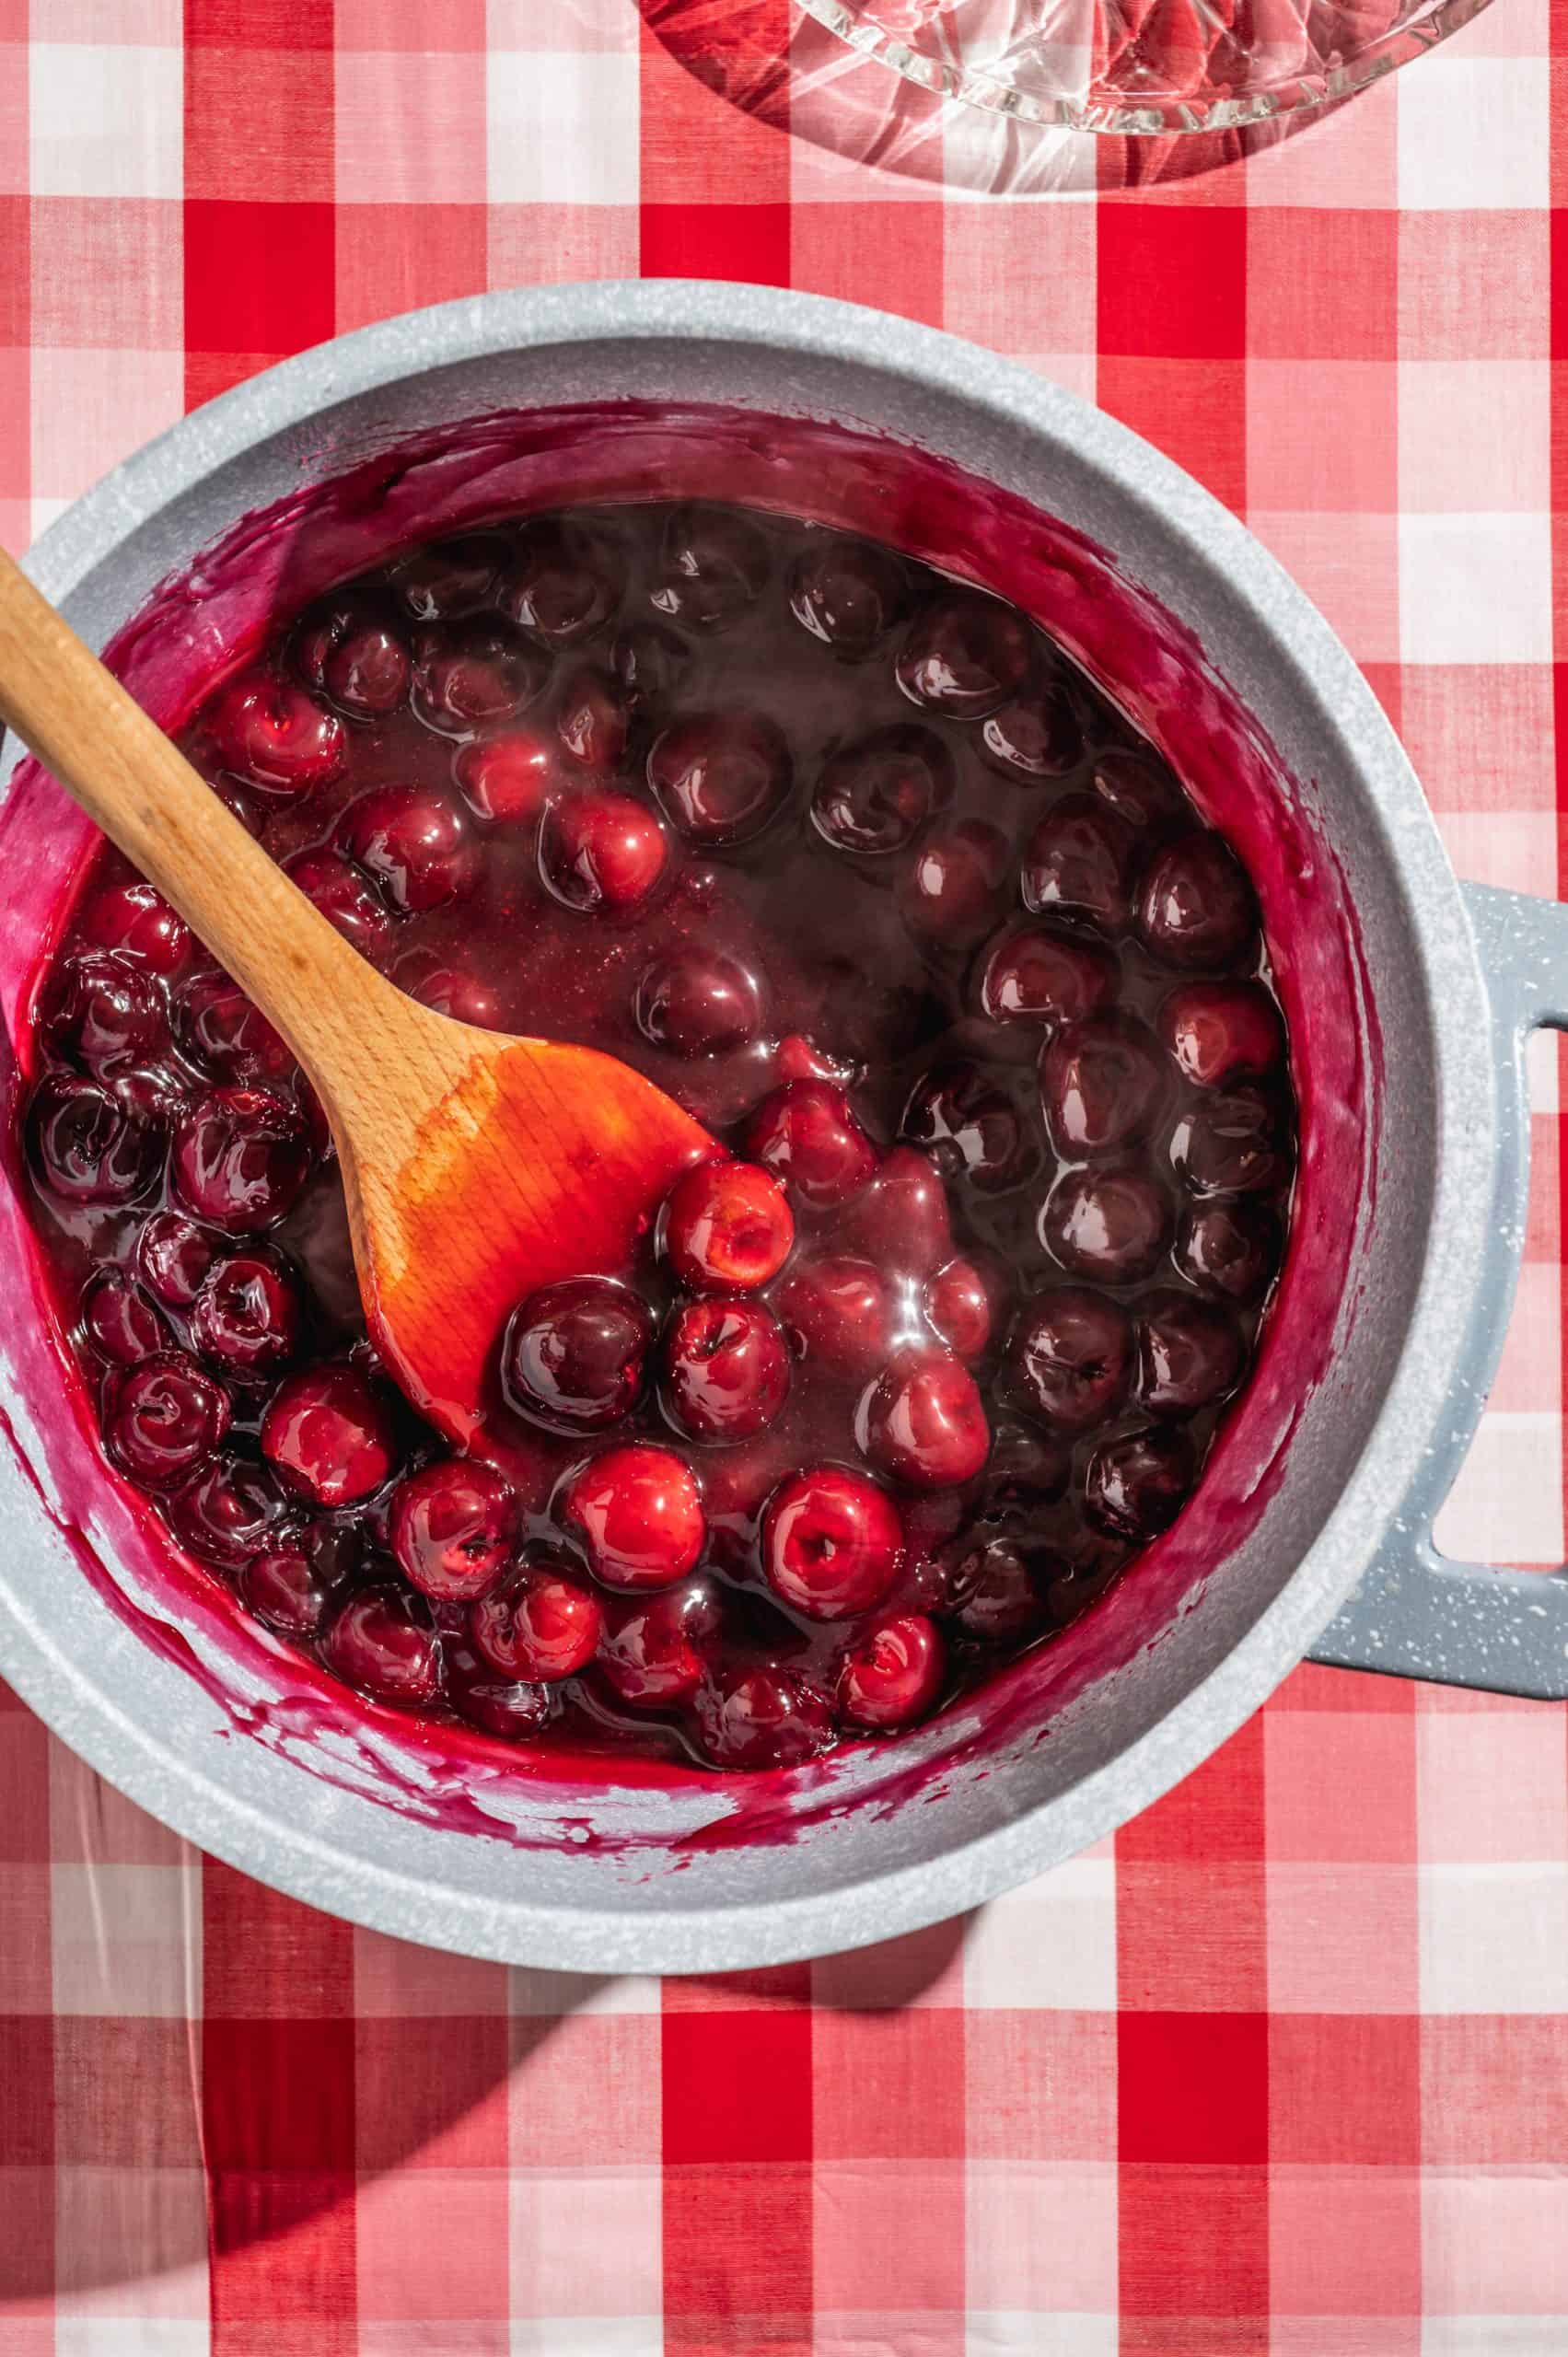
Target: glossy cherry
{"x": 451, "y": 578}
{"x": 412, "y": 843}
{"x": 762, "y": 1718}
{"x": 1190, "y": 1353}
{"x": 720, "y": 777}
{"x": 1231, "y": 1250}
{"x": 724, "y": 1369}
{"x": 1138, "y": 1483}
{"x": 965, "y": 656}
{"x": 650, "y": 1654}
{"x": 806, "y": 1135}
{"x": 1139, "y": 788}
{"x": 328, "y": 1435}
{"x": 593, "y": 719}
{"x": 225, "y": 1034}
{"x": 475, "y": 674}
{"x": 924, "y": 1423}
{"x": 848, "y": 594}
{"x": 638, "y": 1513}
{"x": 275, "y": 737}
{"x": 509, "y": 779}
{"x": 970, "y": 1127}
{"x": 383, "y": 1641}
{"x": 838, "y": 1313}
{"x": 948, "y": 892}
{"x": 712, "y": 565}
{"x": 240, "y": 1159}
{"x": 87, "y": 1144}
{"x": 453, "y": 1528}
{"x": 248, "y": 1317}
{"x": 139, "y": 923}
{"x": 1031, "y": 975}
{"x": 652, "y": 664}
{"x": 832, "y": 1542}
{"x": 1078, "y": 863}
{"x": 344, "y": 898}
{"x": 162, "y": 1417}
{"x": 1219, "y": 1032}
{"x": 601, "y": 852}
{"x": 1037, "y": 735}
{"x": 351, "y": 650}
{"x": 893, "y": 1674}
{"x": 875, "y": 796}
{"x": 119, "y": 1321}
{"x": 1102, "y": 1085}
{"x": 105, "y": 1012}
{"x": 726, "y": 1226}
{"x": 698, "y": 1002}
{"x": 173, "y": 1255}
{"x": 559, "y": 586}
{"x": 226, "y": 1511}
{"x": 1108, "y": 1223}
{"x": 1232, "y": 1142}
{"x": 516, "y": 1709}
{"x": 961, "y": 1301}
{"x": 997, "y": 1589}
{"x": 1196, "y": 906}
{"x": 574, "y": 1353}
{"x": 284, "y": 1586}
{"x": 1070, "y": 1357}
{"x": 537, "y": 1622}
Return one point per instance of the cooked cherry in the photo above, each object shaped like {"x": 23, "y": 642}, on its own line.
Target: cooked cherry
{"x": 119, "y": 1321}
{"x": 1070, "y": 1357}
{"x": 924, "y": 1423}
{"x": 559, "y": 586}
{"x": 343, "y": 898}
{"x": 720, "y": 776}
{"x": 540, "y": 1623}
{"x": 592, "y": 719}
{"x": 1232, "y": 1249}
{"x": 960, "y": 1304}
{"x": 727, "y": 1227}
{"x": 649, "y": 1655}
{"x": 848, "y": 594}
{"x": 638, "y": 1512}
{"x": 1108, "y": 1223}
{"x": 574, "y": 1353}
{"x": 383, "y": 1641}
{"x": 762, "y": 1718}
{"x": 1190, "y": 1353}
{"x": 902, "y": 1220}
{"x": 474, "y": 676}
{"x": 1037, "y": 736}
{"x": 1033, "y": 976}
{"x": 724, "y": 1369}
{"x": 1230, "y": 1142}
{"x": 275, "y": 737}
{"x": 1078, "y": 862}
{"x": 806, "y": 1135}
{"x": 1139, "y": 789}
{"x": 162, "y": 1417}
{"x": 173, "y": 1255}
{"x": 451, "y": 578}
{"x": 1138, "y": 1483}
{"x": 449, "y": 989}
{"x": 836, "y": 1313}
{"x": 1102, "y": 1082}
{"x": 893, "y": 1674}
{"x": 832, "y": 1542}
{"x": 997, "y": 1589}
{"x": 348, "y": 649}
{"x": 87, "y": 1144}
{"x": 712, "y": 565}
{"x": 1222, "y": 1031}
{"x": 965, "y": 655}
{"x": 453, "y": 1528}
{"x": 226, "y": 1033}
{"x": 875, "y": 797}
{"x": 698, "y": 1002}
{"x": 651, "y": 663}
{"x": 226, "y": 1511}
{"x": 1196, "y": 906}
{"x": 328, "y": 1435}
{"x": 139, "y": 923}
{"x": 1025, "y": 1470}
{"x": 510, "y": 778}
{"x": 412, "y": 843}
{"x": 249, "y": 1313}
{"x": 601, "y": 851}
{"x": 105, "y": 1012}
{"x": 948, "y": 892}
{"x": 970, "y": 1127}
{"x": 284, "y": 1588}
{"x": 515, "y": 1708}
{"x": 239, "y": 1159}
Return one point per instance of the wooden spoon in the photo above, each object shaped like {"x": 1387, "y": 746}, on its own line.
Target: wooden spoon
{"x": 476, "y": 1167}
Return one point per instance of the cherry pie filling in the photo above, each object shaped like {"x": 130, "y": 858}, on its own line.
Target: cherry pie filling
{"x": 849, "y": 858}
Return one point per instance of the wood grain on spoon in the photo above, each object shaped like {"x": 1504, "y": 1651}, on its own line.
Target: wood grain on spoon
{"x": 475, "y": 1167}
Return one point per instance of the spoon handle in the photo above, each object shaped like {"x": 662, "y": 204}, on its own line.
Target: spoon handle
{"x": 120, "y": 766}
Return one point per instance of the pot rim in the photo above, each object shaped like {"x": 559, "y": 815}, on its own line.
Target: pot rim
{"x": 328, "y": 1873}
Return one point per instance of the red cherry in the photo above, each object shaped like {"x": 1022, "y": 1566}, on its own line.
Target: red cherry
{"x": 726, "y": 1226}
{"x": 798, "y": 1058}
{"x": 948, "y": 891}
{"x": 121, "y": 1324}
{"x": 573, "y": 1353}
{"x": 924, "y": 1423}
{"x": 698, "y": 1004}
{"x": 328, "y": 1435}
{"x": 874, "y": 797}
{"x": 1102, "y": 1085}
{"x": 639, "y": 1515}
{"x": 227, "y": 1034}
{"x": 762, "y": 1718}
{"x": 1108, "y": 1223}
{"x": 1190, "y": 1353}
{"x": 284, "y": 1588}
{"x": 892, "y": 1674}
{"x": 343, "y": 898}
{"x": 540, "y": 1623}
{"x": 965, "y": 655}
{"x": 648, "y": 1655}
{"x": 226, "y": 1511}
{"x": 1222, "y": 1031}
{"x": 453, "y": 1528}
{"x": 1033, "y": 976}
{"x": 651, "y": 663}
{"x": 412, "y": 843}
{"x": 1078, "y": 863}
{"x": 1036, "y": 737}
{"x": 87, "y": 1146}
{"x": 139, "y": 923}
{"x": 1138, "y": 1483}
{"x": 104, "y": 1012}
{"x": 1139, "y": 788}
{"x": 558, "y": 586}
{"x": 239, "y": 1159}
{"x": 1070, "y": 1358}
{"x": 601, "y": 852}
{"x": 832, "y": 1542}
{"x": 348, "y": 649}
{"x": 806, "y": 1135}
{"x": 451, "y": 578}
{"x": 383, "y": 1642}
{"x": 162, "y": 1417}
{"x": 475, "y": 674}
{"x": 724, "y": 1369}
{"x": 509, "y": 779}
{"x": 1231, "y": 1250}
{"x": 970, "y": 1127}
{"x": 275, "y": 737}
{"x": 514, "y": 1707}
{"x": 248, "y": 1314}
{"x": 719, "y": 777}
{"x": 449, "y": 989}
{"x": 1196, "y": 906}
{"x": 173, "y": 1255}
{"x": 848, "y": 594}
{"x": 592, "y": 719}
{"x": 714, "y": 563}
{"x": 902, "y": 1220}
{"x": 836, "y": 1313}
{"x": 961, "y": 1301}
{"x": 997, "y": 1589}
{"x": 1231, "y": 1142}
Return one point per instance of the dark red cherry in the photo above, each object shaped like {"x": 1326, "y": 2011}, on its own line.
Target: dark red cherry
{"x": 226, "y": 1033}
{"x": 1139, "y": 788}
{"x": 651, "y": 663}
{"x": 948, "y": 892}
{"x": 343, "y": 898}
{"x": 248, "y": 1314}
{"x": 449, "y": 989}
{"x": 726, "y": 1227}
{"x": 1032, "y": 976}
{"x": 451, "y": 578}
{"x": 1102, "y": 1084}
{"x": 1108, "y": 1223}
{"x": 173, "y": 1255}
{"x": 328, "y": 1435}
{"x": 383, "y": 1642}
{"x": 719, "y": 777}
{"x": 893, "y": 1674}
{"x": 970, "y": 1127}
{"x": 1190, "y": 1353}
{"x": 601, "y": 852}
{"x": 453, "y": 1528}
{"x": 1195, "y": 905}
{"x": 275, "y": 737}
{"x": 1138, "y": 1483}
{"x": 923, "y": 1421}
{"x": 724, "y": 1369}
{"x": 513, "y": 1708}
{"x": 347, "y": 648}
{"x": 902, "y": 1220}
{"x": 510, "y": 778}
{"x": 965, "y": 655}
{"x": 1037, "y": 735}
{"x": 538, "y": 1622}
{"x": 996, "y": 1588}
{"x": 836, "y": 1313}
{"x": 226, "y": 1511}
{"x": 239, "y": 1159}
{"x": 162, "y": 1417}
{"x": 1078, "y": 862}
{"x": 1027, "y": 1470}
{"x": 875, "y": 796}
{"x": 638, "y": 1513}
{"x": 285, "y": 1587}
{"x": 475, "y": 674}
{"x": 832, "y": 1542}
{"x": 140, "y": 923}
{"x": 712, "y": 565}
{"x": 559, "y": 586}
{"x": 698, "y": 1002}
{"x": 574, "y": 1353}
{"x": 592, "y": 719}
{"x": 104, "y": 1012}
{"x": 848, "y": 594}
{"x": 806, "y": 1135}
{"x": 1232, "y": 1142}
{"x": 1070, "y": 1358}
{"x": 962, "y": 1303}
{"x": 87, "y": 1146}
{"x": 761, "y": 1718}
{"x": 650, "y": 1653}
{"x": 121, "y": 1324}
{"x": 413, "y": 844}
{"x": 1222, "y": 1031}
{"x": 1230, "y": 1249}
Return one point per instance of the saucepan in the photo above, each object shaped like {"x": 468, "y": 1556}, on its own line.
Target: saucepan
{"x": 1410, "y": 999}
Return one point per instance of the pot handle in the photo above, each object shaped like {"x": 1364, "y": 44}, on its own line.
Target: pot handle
{"x": 1417, "y": 1613}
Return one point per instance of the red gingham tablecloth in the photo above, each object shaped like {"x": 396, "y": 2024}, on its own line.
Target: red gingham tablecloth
{"x": 1284, "y": 2068}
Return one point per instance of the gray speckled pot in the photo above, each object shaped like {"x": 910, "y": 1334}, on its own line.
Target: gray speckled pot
{"x": 1340, "y": 1561}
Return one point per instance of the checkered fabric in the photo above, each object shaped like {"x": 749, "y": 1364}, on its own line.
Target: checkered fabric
{"x": 1284, "y": 2068}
